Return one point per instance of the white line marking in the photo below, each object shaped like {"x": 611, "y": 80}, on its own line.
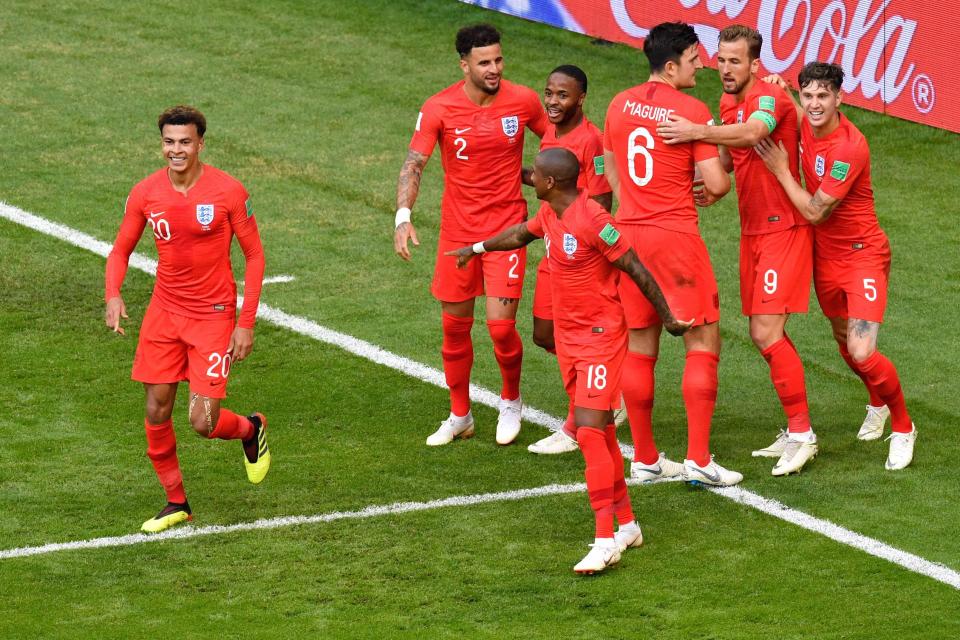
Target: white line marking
{"x": 278, "y": 279}
{"x": 430, "y": 375}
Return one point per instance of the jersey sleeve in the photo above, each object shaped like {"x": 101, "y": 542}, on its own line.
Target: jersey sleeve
{"x": 593, "y": 165}
{"x": 703, "y": 150}
{"x": 535, "y": 224}
{"x": 426, "y": 132}
{"x": 767, "y": 108}
{"x": 602, "y": 235}
{"x": 538, "y": 117}
{"x": 844, "y": 165}
{"x": 131, "y": 228}
{"x": 244, "y": 226}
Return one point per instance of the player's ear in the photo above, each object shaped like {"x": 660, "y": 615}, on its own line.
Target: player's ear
{"x": 839, "y": 97}
{"x": 755, "y": 66}
{"x": 583, "y": 96}
{"x": 464, "y": 66}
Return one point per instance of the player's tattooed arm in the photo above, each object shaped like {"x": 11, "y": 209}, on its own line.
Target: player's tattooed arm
{"x": 814, "y": 209}
{"x": 408, "y": 187}
{"x": 630, "y": 264}
{"x": 509, "y": 239}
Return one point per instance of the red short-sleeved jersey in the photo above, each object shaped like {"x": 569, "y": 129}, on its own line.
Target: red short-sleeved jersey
{"x": 482, "y": 154}
{"x": 839, "y": 164}
{"x": 656, "y": 179}
{"x": 193, "y": 233}
{"x": 764, "y": 205}
{"x": 580, "y": 247}
{"x": 586, "y": 142}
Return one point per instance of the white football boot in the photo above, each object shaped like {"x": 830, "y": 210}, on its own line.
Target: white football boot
{"x": 796, "y": 454}
{"x": 629, "y": 536}
{"x": 873, "y": 423}
{"x": 599, "y": 558}
{"x": 775, "y": 450}
{"x": 452, "y": 427}
{"x": 662, "y": 470}
{"x": 554, "y": 443}
{"x": 508, "y": 423}
{"x": 712, "y": 474}
{"x": 901, "y": 449}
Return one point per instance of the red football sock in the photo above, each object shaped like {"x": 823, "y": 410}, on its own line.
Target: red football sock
{"x": 699, "y": 396}
{"x": 230, "y": 426}
{"x": 457, "y": 361}
{"x": 508, "y": 348}
{"x": 786, "y": 373}
{"x": 599, "y": 476}
{"x": 162, "y": 451}
{"x": 875, "y": 399}
{"x": 882, "y": 376}
{"x": 621, "y": 499}
{"x": 637, "y": 385}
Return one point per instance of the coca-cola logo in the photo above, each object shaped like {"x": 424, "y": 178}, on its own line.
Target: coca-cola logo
{"x": 796, "y": 32}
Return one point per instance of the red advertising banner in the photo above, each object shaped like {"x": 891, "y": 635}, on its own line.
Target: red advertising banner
{"x": 895, "y": 53}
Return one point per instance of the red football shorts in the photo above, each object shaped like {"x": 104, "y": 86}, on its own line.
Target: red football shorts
{"x": 542, "y": 295}
{"x": 591, "y": 374}
{"x": 680, "y": 265}
{"x": 775, "y": 271}
{"x": 498, "y": 274}
{"x": 172, "y": 348}
{"x": 853, "y": 287}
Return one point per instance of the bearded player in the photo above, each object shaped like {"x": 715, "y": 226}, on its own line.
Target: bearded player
{"x": 584, "y": 247}
{"x": 479, "y": 124}
{"x": 190, "y": 330}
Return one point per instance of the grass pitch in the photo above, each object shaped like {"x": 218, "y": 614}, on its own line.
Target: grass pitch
{"x": 311, "y": 105}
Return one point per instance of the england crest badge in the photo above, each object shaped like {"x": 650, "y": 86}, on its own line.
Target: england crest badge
{"x": 569, "y": 244}
{"x": 511, "y": 125}
{"x": 204, "y": 214}
{"x": 821, "y": 166}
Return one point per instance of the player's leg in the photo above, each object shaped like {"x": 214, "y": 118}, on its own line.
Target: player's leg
{"x": 543, "y": 309}
{"x": 456, "y": 289}
{"x": 503, "y": 281}
{"x": 209, "y": 366}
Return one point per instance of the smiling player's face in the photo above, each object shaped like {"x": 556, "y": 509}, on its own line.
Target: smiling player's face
{"x": 483, "y": 68}
{"x": 181, "y": 146}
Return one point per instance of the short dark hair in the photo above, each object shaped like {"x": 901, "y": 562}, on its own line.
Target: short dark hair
{"x": 183, "y": 114}
{"x": 575, "y": 72}
{"x": 476, "y": 35}
{"x": 823, "y": 73}
{"x": 742, "y": 32}
{"x": 666, "y": 42}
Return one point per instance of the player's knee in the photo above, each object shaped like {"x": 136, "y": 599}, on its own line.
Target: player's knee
{"x": 203, "y": 417}
{"x": 860, "y": 351}
{"x": 762, "y": 336}
{"x": 157, "y": 412}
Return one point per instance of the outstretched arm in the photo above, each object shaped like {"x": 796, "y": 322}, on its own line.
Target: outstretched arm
{"x": 815, "y": 209}
{"x": 509, "y": 239}
{"x": 677, "y": 129}
{"x": 631, "y": 265}
{"x": 408, "y": 187}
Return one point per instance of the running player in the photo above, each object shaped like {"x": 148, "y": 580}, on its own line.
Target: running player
{"x": 190, "y": 330}
{"x": 653, "y": 182}
{"x": 569, "y": 128}
{"x": 852, "y": 254}
{"x": 776, "y": 242}
{"x": 479, "y": 124}
{"x": 583, "y": 247}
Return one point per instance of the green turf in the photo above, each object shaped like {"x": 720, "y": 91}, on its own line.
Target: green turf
{"x": 311, "y": 105}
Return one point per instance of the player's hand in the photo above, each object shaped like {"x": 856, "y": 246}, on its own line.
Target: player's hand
{"x": 115, "y": 310}
{"x": 777, "y": 79}
{"x": 774, "y": 156}
{"x": 702, "y": 197}
{"x": 241, "y": 344}
{"x": 404, "y": 232}
{"x": 677, "y": 129}
{"x": 463, "y": 255}
{"x": 677, "y": 327}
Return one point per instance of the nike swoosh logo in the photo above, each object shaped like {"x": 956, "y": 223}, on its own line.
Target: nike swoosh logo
{"x": 158, "y": 213}
{"x": 713, "y": 478}
{"x": 655, "y": 470}
{"x": 459, "y": 131}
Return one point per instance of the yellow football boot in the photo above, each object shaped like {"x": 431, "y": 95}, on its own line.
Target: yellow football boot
{"x": 257, "y": 469}
{"x": 170, "y": 515}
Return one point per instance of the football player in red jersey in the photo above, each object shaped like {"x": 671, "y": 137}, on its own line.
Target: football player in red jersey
{"x": 852, "y": 254}
{"x": 190, "y": 330}
{"x": 653, "y": 182}
{"x": 569, "y": 128}
{"x": 479, "y": 124}
{"x": 585, "y": 250}
{"x": 776, "y": 242}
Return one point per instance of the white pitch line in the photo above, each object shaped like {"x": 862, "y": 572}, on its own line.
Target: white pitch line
{"x": 278, "y": 279}
{"x": 432, "y": 376}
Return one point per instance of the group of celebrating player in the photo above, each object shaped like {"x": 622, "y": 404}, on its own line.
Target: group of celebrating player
{"x": 661, "y": 156}
{"x": 605, "y": 289}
